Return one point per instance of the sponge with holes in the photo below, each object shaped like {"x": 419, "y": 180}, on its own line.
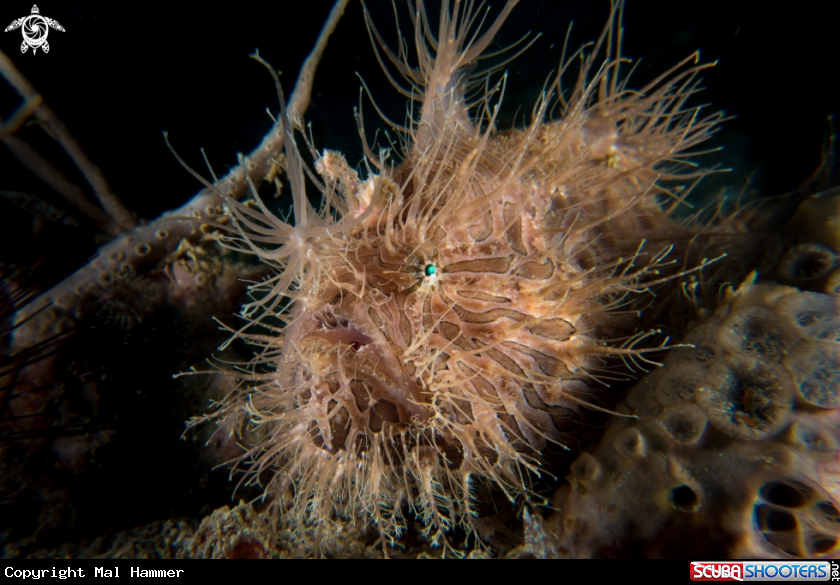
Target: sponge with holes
{"x": 734, "y": 451}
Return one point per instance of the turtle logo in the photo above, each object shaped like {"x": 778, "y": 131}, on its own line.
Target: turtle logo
{"x": 35, "y": 28}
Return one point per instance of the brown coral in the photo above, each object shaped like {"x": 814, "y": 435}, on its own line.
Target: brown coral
{"x": 742, "y": 443}
{"x": 430, "y": 325}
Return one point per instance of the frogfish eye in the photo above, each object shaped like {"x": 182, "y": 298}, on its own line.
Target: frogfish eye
{"x": 429, "y": 270}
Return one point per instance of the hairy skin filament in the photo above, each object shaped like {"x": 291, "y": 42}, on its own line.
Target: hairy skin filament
{"x": 427, "y": 328}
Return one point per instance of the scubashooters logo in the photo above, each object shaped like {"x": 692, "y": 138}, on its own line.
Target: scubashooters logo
{"x": 35, "y": 29}
{"x": 764, "y": 571}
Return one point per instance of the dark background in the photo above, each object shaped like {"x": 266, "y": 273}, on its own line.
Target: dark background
{"x": 122, "y": 74}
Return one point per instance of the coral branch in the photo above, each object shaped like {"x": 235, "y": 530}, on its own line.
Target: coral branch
{"x": 149, "y": 243}
{"x": 120, "y": 215}
{"x": 45, "y": 171}
{"x": 135, "y": 247}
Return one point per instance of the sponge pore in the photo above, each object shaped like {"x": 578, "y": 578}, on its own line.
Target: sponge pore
{"x": 816, "y": 371}
{"x": 734, "y": 451}
{"x": 744, "y": 403}
{"x": 796, "y": 518}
